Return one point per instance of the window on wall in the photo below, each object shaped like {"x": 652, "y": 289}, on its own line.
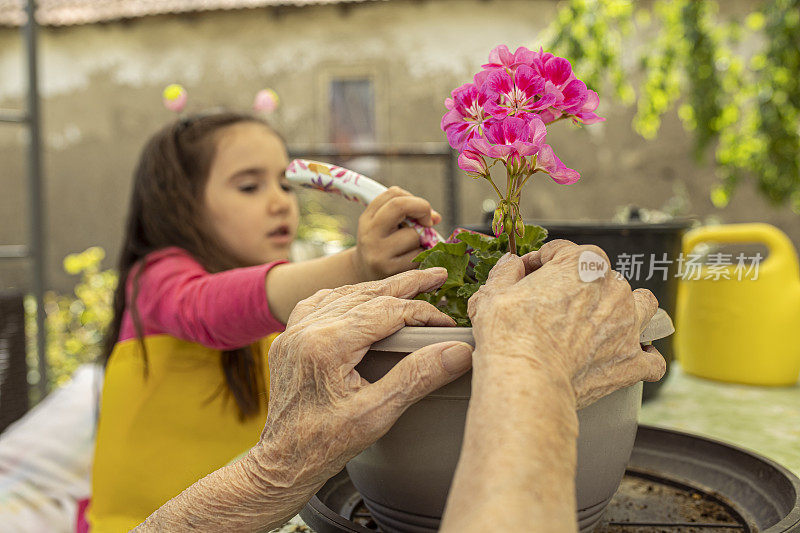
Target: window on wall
{"x": 352, "y": 111}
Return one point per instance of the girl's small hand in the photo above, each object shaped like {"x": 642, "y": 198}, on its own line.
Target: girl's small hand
{"x": 384, "y": 246}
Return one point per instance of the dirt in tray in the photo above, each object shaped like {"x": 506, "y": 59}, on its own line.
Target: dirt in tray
{"x": 672, "y": 509}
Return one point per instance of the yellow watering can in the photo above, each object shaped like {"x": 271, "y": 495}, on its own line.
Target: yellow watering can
{"x": 736, "y": 322}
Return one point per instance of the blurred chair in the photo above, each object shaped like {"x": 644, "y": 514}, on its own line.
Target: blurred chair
{"x": 13, "y": 366}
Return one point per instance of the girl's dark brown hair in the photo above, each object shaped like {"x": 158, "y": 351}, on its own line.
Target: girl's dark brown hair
{"x": 166, "y": 210}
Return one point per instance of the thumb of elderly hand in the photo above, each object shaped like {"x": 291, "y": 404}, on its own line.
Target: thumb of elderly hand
{"x": 418, "y": 374}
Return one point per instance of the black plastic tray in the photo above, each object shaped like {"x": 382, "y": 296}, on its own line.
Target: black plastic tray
{"x": 732, "y": 489}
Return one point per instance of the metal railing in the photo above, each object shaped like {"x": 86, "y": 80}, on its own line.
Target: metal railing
{"x": 34, "y": 250}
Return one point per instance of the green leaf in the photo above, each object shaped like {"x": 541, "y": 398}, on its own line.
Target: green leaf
{"x": 456, "y": 307}
{"x": 452, "y": 248}
{"x": 499, "y": 244}
{"x": 453, "y": 295}
{"x": 430, "y": 297}
{"x": 456, "y": 266}
{"x": 475, "y": 240}
{"x": 533, "y": 239}
{"x": 467, "y": 290}
{"x": 463, "y": 322}
{"x": 486, "y": 262}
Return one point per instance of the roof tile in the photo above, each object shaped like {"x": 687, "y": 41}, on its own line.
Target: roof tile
{"x": 74, "y": 12}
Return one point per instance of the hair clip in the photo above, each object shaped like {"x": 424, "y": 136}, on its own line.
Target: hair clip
{"x": 174, "y": 97}
{"x": 266, "y": 101}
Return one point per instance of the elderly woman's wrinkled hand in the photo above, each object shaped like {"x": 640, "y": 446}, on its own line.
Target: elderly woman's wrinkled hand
{"x": 321, "y": 411}
{"x": 589, "y": 331}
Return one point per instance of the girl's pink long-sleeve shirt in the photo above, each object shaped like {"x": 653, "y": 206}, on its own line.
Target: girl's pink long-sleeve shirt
{"x": 178, "y": 297}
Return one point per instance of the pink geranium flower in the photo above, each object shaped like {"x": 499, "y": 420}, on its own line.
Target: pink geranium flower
{"x": 571, "y": 94}
{"x": 465, "y": 116}
{"x": 511, "y": 136}
{"x": 516, "y": 94}
{"x": 547, "y": 161}
{"x": 501, "y": 117}
{"x": 501, "y": 57}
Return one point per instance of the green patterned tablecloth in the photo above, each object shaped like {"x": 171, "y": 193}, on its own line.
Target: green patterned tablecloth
{"x": 765, "y": 420}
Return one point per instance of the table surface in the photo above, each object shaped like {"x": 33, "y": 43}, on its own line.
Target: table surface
{"x": 765, "y": 420}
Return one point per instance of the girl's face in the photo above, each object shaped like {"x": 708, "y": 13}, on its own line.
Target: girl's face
{"x": 247, "y": 200}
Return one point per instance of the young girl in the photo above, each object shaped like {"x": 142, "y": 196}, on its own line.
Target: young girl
{"x": 204, "y": 288}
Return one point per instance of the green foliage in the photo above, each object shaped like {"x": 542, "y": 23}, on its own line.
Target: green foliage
{"x": 590, "y": 33}
{"x": 686, "y": 56}
{"x": 468, "y": 263}
{"x": 75, "y": 323}
{"x": 318, "y": 226}
{"x": 746, "y": 111}
{"x": 765, "y": 142}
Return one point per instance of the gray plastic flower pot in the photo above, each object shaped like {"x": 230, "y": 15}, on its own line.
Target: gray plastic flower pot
{"x": 405, "y": 476}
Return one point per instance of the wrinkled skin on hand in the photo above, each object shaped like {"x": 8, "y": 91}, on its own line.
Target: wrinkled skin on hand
{"x": 321, "y": 411}
{"x": 383, "y": 247}
{"x": 588, "y": 331}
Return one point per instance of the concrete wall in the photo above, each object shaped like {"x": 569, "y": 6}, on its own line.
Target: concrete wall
{"x": 101, "y": 89}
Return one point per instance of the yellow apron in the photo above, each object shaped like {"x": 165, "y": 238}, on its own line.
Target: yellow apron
{"x": 159, "y": 434}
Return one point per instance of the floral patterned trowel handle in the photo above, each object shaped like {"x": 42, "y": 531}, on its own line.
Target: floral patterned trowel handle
{"x": 351, "y": 186}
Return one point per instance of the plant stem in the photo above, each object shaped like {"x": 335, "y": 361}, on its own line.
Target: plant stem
{"x": 526, "y": 179}
{"x": 499, "y": 194}
{"x": 512, "y": 237}
{"x": 508, "y": 219}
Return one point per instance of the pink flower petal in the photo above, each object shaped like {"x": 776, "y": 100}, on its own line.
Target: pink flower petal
{"x": 549, "y": 115}
{"x": 480, "y": 78}
{"x": 495, "y": 110}
{"x": 592, "y": 101}
{"x": 586, "y": 114}
{"x": 575, "y": 94}
{"x": 528, "y": 81}
{"x": 549, "y": 88}
{"x": 537, "y": 131}
{"x": 551, "y": 164}
{"x": 450, "y": 118}
{"x": 458, "y": 135}
{"x": 472, "y": 162}
{"x": 540, "y": 58}
{"x": 500, "y": 82}
{"x": 565, "y": 176}
{"x": 544, "y": 102}
{"x": 480, "y": 145}
{"x": 523, "y": 56}
{"x": 514, "y": 129}
{"x": 588, "y": 117}
{"x": 464, "y": 96}
{"x": 500, "y": 55}
{"x": 546, "y": 159}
